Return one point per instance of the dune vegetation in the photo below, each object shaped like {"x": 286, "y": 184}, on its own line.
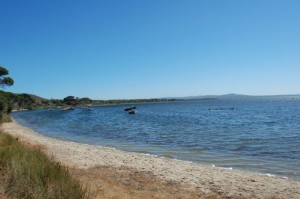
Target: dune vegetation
{"x": 26, "y": 172}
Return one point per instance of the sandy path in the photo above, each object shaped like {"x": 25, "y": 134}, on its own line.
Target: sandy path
{"x": 224, "y": 182}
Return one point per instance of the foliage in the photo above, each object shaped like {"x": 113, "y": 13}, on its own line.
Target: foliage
{"x": 5, "y": 81}
{"x": 5, "y": 106}
{"x": 28, "y": 173}
{"x": 71, "y": 100}
{"x": 11, "y": 101}
{"x": 85, "y": 100}
{"x": 22, "y": 101}
{"x": 5, "y": 109}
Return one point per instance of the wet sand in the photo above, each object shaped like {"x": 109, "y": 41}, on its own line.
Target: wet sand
{"x": 199, "y": 181}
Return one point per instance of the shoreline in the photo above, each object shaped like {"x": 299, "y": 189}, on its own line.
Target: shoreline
{"x": 158, "y": 156}
{"x": 207, "y": 179}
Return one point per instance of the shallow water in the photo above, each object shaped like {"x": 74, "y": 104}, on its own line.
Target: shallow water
{"x": 261, "y": 135}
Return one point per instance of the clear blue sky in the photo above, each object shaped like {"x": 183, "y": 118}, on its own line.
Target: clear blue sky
{"x": 151, "y": 48}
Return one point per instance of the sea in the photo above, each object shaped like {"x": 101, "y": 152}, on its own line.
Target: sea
{"x": 261, "y": 135}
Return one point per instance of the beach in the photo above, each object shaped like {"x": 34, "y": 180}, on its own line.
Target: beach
{"x": 199, "y": 181}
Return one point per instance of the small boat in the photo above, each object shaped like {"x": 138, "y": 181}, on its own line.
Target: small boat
{"x": 67, "y": 109}
{"x": 220, "y": 109}
{"x": 132, "y": 111}
{"x": 130, "y": 108}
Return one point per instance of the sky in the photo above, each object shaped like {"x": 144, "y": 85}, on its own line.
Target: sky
{"x": 125, "y": 49}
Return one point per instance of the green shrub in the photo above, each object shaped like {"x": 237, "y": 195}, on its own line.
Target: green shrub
{"x": 4, "y": 108}
{"x": 28, "y": 173}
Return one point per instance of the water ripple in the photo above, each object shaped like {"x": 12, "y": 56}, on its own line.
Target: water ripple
{"x": 258, "y": 135}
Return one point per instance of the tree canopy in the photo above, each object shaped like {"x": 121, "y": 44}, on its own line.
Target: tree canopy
{"x": 5, "y": 105}
{"x": 5, "y": 81}
{"x": 71, "y": 100}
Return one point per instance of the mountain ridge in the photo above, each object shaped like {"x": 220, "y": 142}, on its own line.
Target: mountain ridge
{"x": 234, "y": 96}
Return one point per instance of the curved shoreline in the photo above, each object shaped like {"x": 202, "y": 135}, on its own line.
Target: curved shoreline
{"x": 226, "y": 182}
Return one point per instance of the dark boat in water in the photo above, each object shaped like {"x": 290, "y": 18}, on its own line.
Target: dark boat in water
{"x": 130, "y": 108}
{"x": 132, "y": 111}
{"x": 67, "y": 109}
{"x": 220, "y": 109}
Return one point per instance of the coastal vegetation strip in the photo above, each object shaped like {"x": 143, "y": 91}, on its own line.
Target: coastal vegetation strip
{"x": 13, "y": 101}
{"x": 28, "y": 173}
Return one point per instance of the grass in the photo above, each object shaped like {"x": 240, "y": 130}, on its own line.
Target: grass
{"x": 28, "y": 173}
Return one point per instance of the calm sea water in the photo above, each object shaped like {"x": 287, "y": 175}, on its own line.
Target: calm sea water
{"x": 257, "y": 135}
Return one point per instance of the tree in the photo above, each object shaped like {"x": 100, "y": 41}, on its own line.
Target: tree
{"x": 71, "y": 100}
{"x": 5, "y": 81}
{"x": 86, "y": 100}
{"x": 5, "y": 106}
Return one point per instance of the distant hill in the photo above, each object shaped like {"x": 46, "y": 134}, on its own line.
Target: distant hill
{"x": 37, "y": 98}
{"x": 237, "y": 96}
{"x": 22, "y": 101}
{"x": 202, "y": 97}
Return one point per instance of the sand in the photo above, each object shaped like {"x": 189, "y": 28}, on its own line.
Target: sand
{"x": 208, "y": 180}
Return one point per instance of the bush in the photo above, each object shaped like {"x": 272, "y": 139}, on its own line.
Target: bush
{"x": 4, "y": 109}
{"x": 27, "y": 173}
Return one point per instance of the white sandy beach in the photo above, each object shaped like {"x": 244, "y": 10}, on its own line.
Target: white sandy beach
{"x": 208, "y": 179}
